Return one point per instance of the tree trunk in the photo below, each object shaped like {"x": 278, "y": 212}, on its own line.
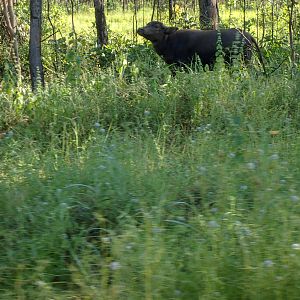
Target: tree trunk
{"x": 102, "y": 35}
{"x": 170, "y": 10}
{"x": 35, "y": 55}
{"x": 134, "y": 22}
{"x": 124, "y": 5}
{"x": 272, "y": 21}
{"x": 244, "y": 15}
{"x": 55, "y": 62}
{"x": 208, "y": 14}
{"x": 153, "y": 9}
{"x": 11, "y": 29}
{"x": 291, "y": 7}
{"x": 159, "y": 10}
{"x": 67, "y": 6}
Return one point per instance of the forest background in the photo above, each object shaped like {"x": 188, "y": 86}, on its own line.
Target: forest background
{"x": 121, "y": 181}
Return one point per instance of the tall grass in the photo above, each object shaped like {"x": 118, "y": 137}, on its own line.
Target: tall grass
{"x": 158, "y": 188}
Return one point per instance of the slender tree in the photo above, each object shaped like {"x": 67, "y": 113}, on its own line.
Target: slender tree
{"x": 272, "y": 20}
{"x": 35, "y": 55}
{"x": 124, "y": 5}
{"x": 10, "y": 24}
{"x": 291, "y": 7}
{"x": 209, "y": 14}
{"x": 55, "y": 62}
{"x": 102, "y": 35}
{"x": 158, "y": 10}
{"x": 134, "y": 22}
{"x": 153, "y": 9}
{"x": 74, "y": 34}
{"x": 263, "y": 19}
{"x": 244, "y": 15}
{"x": 171, "y": 5}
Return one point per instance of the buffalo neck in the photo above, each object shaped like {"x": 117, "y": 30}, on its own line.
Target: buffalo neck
{"x": 161, "y": 46}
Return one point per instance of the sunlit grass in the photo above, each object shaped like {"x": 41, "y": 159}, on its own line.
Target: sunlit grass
{"x": 118, "y": 21}
{"x": 123, "y": 22}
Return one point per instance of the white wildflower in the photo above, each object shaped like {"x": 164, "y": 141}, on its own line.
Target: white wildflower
{"x": 213, "y": 224}
{"x": 40, "y": 283}
{"x": 129, "y": 246}
{"x": 204, "y": 128}
{"x": 261, "y": 151}
{"x": 294, "y": 198}
{"x": 156, "y": 230}
{"x": 114, "y": 265}
{"x": 296, "y": 246}
{"x": 243, "y": 187}
{"x": 135, "y": 200}
{"x": 274, "y": 156}
{"x": 202, "y": 169}
{"x": 246, "y": 231}
{"x": 251, "y": 166}
{"x": 268, "y": 263}
{"x": 214, "y": 210}
{"x": 105, "y": 240}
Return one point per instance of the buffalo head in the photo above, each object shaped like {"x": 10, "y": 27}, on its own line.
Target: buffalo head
{"x": 155, "y": 31}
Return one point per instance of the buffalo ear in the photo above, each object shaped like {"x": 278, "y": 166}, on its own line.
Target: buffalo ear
{"x": 170, "y": 30}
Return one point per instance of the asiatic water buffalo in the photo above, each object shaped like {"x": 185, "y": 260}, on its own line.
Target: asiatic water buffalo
{"x": 180, "y": 47}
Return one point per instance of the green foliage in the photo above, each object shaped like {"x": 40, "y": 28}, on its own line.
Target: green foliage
{"x": 122, "y": 186}
{"x": 186, "y": 21}
{"x": 121, "y": 181}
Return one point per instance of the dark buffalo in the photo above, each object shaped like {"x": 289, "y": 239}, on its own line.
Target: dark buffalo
{"x": 179, "y": 47}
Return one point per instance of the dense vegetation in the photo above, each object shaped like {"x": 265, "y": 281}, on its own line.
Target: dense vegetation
{"x": 121, "y": 181}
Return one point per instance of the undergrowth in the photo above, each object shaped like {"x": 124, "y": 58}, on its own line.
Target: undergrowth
{"x": 143, "y": 186}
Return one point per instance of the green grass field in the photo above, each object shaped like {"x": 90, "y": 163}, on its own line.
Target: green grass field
{"x": 124, "y": 182}
{"x": 122, "y": 22}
